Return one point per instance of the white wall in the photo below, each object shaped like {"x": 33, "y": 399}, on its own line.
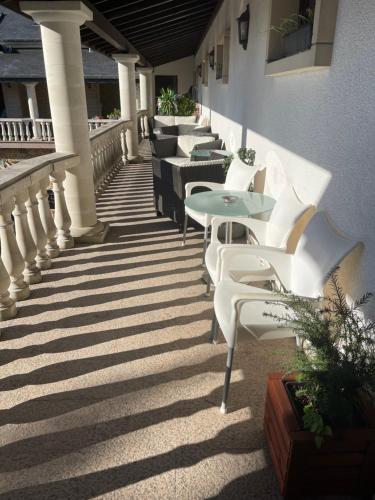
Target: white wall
{"x": 318, "y": 126}
{"x": 183, "y": 68}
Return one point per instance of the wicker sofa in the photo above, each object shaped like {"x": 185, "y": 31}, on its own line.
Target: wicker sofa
{"x": 177, "y": 125}
{"x": 172, "y": 169}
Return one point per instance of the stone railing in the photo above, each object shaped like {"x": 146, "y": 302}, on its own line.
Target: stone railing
{"x": 29, "y": 235}
{"x": 25, "y": 129}
{"x": 40, "y": 129}
{"x": 108, "y": 151}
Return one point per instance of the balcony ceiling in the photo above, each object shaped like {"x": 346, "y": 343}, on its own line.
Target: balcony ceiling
{"x": 160, "y": 30}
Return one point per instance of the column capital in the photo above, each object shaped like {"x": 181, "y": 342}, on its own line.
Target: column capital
{"x": 145, "y": 70}
{"x": 30, "y": 84}
{"x": 126, "y": 58}
{"x": 58, "y": 11}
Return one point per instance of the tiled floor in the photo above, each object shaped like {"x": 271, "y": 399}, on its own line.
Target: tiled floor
{"x": 109, "y": 388}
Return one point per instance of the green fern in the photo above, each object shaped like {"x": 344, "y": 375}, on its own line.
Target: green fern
{"x": 338, "y": 358}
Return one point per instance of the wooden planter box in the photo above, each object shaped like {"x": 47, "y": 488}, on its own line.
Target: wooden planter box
{"x": 345, "y": 464}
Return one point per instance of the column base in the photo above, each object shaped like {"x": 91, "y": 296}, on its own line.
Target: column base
{"x": 135, "y": 159}
{"x": 94, "y": 234}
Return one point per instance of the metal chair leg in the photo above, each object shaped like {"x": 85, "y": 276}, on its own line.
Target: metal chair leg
{"x": 208, "y": 287}
{"x": 228, "y": 373}
{"x": 214, "y": 329}
{"x": 185, "y": 230}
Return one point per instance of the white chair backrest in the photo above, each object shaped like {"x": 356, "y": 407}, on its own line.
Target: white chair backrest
{"x": 285, "y": 214}
{"x": 239, "y": 175}
{"x": 319, "y": 251}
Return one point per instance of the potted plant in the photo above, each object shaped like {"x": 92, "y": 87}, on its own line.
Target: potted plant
{"x": 115, "y": 114}
{"x": 167, "y": 102}
{"x": 296, "y": 32}
{"x": 185, "y": 105}
{"x": 320, "y": 418}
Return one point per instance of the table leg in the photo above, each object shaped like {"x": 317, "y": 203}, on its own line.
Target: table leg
{"x": 228, "y": 232}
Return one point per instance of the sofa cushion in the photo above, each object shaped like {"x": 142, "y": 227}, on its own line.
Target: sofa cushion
{"x": 184, "y": 120}
{"x": 202, "y": 129}
{"x": 203, "y": 121}
{"x": 186, "y": 143}
{"x": 186, "y": 129}
{"x": 170, "y": 130}
{"x": 163, "y": 121}
{"x": 217, "y": 144}
{"x": 177, "y": 160}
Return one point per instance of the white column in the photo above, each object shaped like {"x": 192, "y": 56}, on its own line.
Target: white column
{"x": 146, "y": 89}
{"x": 145, "y": 75}
{"x": 126, "y": 77}
{"x": 33, "y": 106}
{"x": 60, "y": 22}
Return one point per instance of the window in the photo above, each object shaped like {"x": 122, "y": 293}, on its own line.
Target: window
{"x": 301, "y": 35}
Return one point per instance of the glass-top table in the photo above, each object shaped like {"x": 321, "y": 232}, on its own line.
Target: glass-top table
{"x": 230, "y": 204}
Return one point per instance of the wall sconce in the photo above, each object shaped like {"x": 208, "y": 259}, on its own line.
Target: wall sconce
{"x": 211, "y": 58}
{"x": 243, "y": 27}
{"x": 199, "y": 69}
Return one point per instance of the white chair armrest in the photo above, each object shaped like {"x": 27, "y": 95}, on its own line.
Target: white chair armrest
{"x": 277, "y": 258}
{"x": 213, "y": 186}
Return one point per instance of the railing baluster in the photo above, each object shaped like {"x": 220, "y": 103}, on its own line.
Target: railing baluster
{"x": 47, "y": 219}
{"x": 24, "y": 239}
{"x": 36, "y": 228}
{"x": 22, "y": 135}
{"x": 7, "y": 305}
{"x": 43, "y": 130}
{"x": 62, "y": 218}
{"x": 10, "y": 253}
{"x": 3, "y": 132}
{"x": 49, "y": 135}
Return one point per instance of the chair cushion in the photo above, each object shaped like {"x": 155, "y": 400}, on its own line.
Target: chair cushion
{"x": 184, "y": 120}
{"x": 209, "y": 145}
{"x": 170, "y": 130}
{"x": 163, "y": 121}
{"x": 203, "y": 121}
{"x": 186, "y": 143}
{"x": 186, "y": 128}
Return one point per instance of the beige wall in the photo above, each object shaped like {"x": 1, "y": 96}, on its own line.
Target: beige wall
{"x": 183, "y": 68}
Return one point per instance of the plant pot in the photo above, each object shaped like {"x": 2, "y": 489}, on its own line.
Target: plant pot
{"x": 344, "y": 464}
{"x": 299, "y": 41}
{"x": 238, "y": 231}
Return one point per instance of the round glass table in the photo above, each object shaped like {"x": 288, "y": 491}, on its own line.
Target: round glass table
{"x": 230, "y": 204}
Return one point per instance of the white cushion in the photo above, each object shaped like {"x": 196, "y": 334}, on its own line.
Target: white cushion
{"x": 176, "y": 160}
{"x": 186, "y": 143}
{"x": 163, "y": 121}
{"x": 184, "y": 120}
{"x": 203, "y": 121}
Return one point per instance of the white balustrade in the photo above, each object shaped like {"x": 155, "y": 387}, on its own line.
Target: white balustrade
{"x": 108, "y": 151}
{"x": 29, "y": 243}
{"x": 39, "y": 129}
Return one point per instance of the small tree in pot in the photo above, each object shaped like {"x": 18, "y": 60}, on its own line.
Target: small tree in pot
{"x": 332, "y": 393}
